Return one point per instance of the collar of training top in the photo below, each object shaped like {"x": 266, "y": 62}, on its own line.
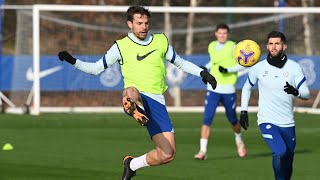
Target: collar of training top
{"x": 146, "y": 41}
{"x": 278, "y": 61}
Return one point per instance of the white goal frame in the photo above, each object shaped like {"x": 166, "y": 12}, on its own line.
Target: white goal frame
{"x": 36, "y": 108}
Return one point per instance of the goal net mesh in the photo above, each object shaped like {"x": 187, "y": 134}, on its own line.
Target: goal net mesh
{"x": 88, "y": 36}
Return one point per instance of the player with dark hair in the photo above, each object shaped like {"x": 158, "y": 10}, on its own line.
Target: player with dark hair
{"x": 142, "y": 58}
{"x": 224, "y": 68}
{"x": 279, "y": 81}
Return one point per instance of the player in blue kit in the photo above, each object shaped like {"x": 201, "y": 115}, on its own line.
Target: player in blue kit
{"x": 224, "y": 68}
{"x": 279, "y": 81}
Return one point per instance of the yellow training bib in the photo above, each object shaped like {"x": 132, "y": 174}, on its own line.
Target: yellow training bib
{"x": 222, "y": 58}
{"x": 143, "y": 66}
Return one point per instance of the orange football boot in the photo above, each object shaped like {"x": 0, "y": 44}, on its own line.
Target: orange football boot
{"x": 131, "y": 108}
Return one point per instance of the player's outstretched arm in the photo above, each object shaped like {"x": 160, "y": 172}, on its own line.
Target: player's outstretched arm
{"x": 112, "y": 56}
{"x": 87, "y": 67}
{"x": 189, "y": 67}
{"x": 233, "y": 69}
{"x": 208, "y": 78}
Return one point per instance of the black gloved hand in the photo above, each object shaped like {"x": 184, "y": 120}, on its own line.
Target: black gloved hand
{"x": 290, "y": 89}
{"x": 222, "y": 69}
{"x": 208, "y": 78}
{"x": 64, "y": 55}
{"x": 244, "y": 120}
{"x": 204, "y": 68}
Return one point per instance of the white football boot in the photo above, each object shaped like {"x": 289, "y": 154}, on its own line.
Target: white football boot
{"x": 201, "y": 156}
{"x": 242, "y": 151}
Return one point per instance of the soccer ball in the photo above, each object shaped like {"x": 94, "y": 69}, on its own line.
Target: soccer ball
{"x": 247, "y": 53}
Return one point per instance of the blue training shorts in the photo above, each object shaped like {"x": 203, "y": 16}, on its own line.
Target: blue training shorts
{"x": 229, "y": 102}
{"x": 279, "y": 139}
{"x": 158, "y": 116}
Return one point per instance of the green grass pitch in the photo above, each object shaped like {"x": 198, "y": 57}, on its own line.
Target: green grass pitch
{"x": 91, "y": 146}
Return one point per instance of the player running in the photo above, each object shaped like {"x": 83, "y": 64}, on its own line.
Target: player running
{"x": 224, "y": 68}
{"x": 279, "y": 80}
{"x": 142, "y": 58}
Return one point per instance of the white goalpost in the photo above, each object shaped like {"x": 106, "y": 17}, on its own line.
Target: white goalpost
{"x": 69, "y": 20}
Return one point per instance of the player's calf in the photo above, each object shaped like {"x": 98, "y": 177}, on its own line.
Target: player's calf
{"x": 132, "y": 109}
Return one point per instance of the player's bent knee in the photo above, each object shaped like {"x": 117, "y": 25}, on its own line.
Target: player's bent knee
{"x": 280, "y": 154}
{"x": 168, "y": 156}
{"x": 132, "y": 92}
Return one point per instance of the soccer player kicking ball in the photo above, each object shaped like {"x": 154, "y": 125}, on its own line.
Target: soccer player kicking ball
{"x": 279, "y": 80}
{"x": 224, "y": 68}
{"x": 142, "y": 58}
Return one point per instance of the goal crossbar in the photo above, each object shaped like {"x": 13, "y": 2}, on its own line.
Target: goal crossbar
{"x": 179, "y": 9}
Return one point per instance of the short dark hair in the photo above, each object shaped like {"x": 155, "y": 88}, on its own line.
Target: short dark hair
{"x": 277, "y": 34}
{"x": 137, "y": 10}
{"x": 222, "y": 26}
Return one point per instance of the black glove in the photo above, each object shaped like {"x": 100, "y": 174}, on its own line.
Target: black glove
{"x": 64, "y": 55}
{"x": 244, "y": 120}
{"x": 290, "y": 89}
{"x": 222, "y": 69}
{"x": 208, "y": 78}
{"x": 204, "y": 68}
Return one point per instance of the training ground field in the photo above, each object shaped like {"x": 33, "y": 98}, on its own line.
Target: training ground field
{"x": 91, "y": 146}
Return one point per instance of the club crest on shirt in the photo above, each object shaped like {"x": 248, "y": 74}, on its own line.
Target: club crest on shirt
{"x": 286, "y": 74}
{"x": 268, "y": 126}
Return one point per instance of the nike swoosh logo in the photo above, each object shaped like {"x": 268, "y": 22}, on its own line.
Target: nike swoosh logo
{"x": 139, "y": 58}
{"x": 44, "y": 73}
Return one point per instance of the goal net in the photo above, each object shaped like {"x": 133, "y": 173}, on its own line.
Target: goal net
{"x": 40, "y": 82}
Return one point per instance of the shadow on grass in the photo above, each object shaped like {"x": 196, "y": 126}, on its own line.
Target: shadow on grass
{"x": 258, "y": 155}
{"x": 267, "y": 154}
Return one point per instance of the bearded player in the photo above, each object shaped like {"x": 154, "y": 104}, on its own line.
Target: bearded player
{"x": 279, "y": 81}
